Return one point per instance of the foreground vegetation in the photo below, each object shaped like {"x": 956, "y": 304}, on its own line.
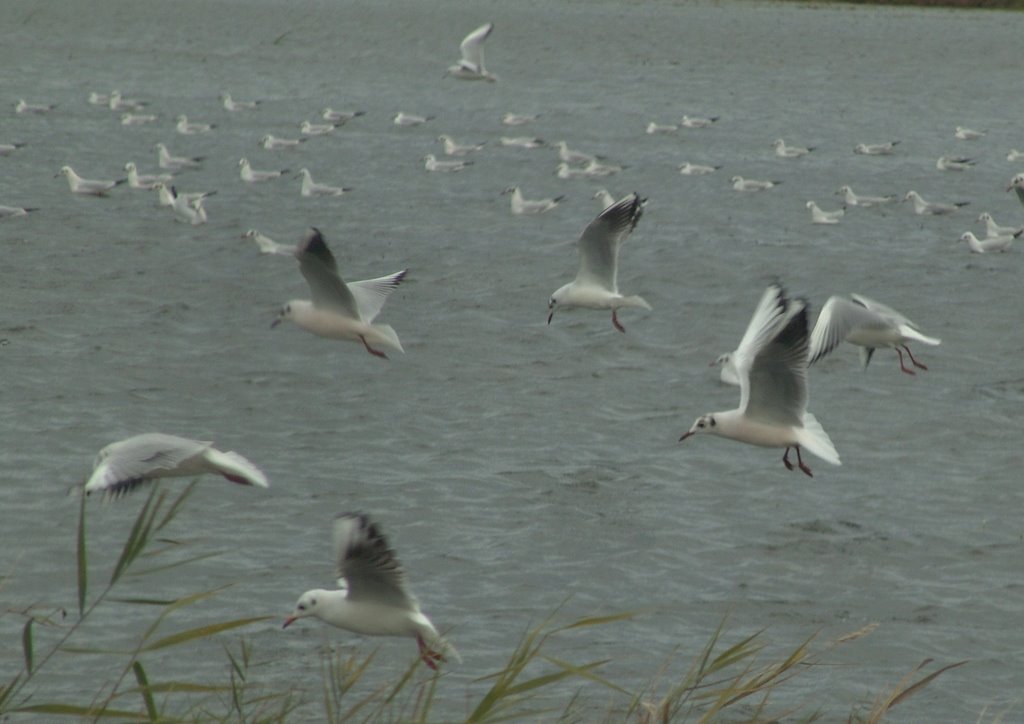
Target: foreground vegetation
{"x": 726, "y": 681}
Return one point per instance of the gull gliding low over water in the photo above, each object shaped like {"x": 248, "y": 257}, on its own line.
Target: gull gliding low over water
{"x": 471, "y": 64}
{"x": 339, "y": 310}
{"x": 121, "y": 466}
{"x": 596, "y": 285}
{"x": 867, "y": 324}
{"x": 771, "y": 364}
{"x": 374, "y": 600}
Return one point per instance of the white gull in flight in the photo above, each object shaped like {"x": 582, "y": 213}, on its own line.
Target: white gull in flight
{"x": 471, "y": 64}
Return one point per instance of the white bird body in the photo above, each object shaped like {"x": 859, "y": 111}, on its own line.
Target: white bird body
{"x": 876, "y": 149}
{"x": 269, "y": 246}
{"x": 1014, "y": 155}
{"x": 339, "y": 310}
{"x": 471, "y": 65}
{"x": 123, "y": 465}
{"x": 596, "y": 282}
{"x": 6, "y": 149}
{"x": 175, "y": 163}
{"x": 374, "y": 600}
{"x": 697, "y": 169}
{"x": 186, "y": 128}
{"x": 340, "y": 117}
{"x": 521, "y": 141}
{"x": 273, "y": 143}
{"x": 771, "y": 364}
{"x": 923, "y": 207}
{"x": 452, "y": 148}
{"x": 784, "y": 151}
{"x": 86, "y": 186}
{"x": 519, "y": 119}
{"x": 117, "y": 102}
{"x": 968, "y": 134}
{"x": 697, "y": 121}
{"x": 230, "y": 104}
{"x": 745, "y": 184}
{"x": 1017, "y": 186}
{"x": 867, "y": 324}
{"x": 994, "y": 229}
{"x": 410, "y": 119}
{"x": 605, "y": 198}
{"x": 98, "y": 99}
{"x": 11, "y": 211}
{"x": 520, "y": 205}
{"x": 316, "y": 129}
{"x": 144, "y": 181}
{"x": 137, "y": 119}
{"x": 249, "y": 175}
{"x": 570, "y": 156}
{"x": 430, "y": 163}
{"x": 311, "y": 188}
{"x": 168, "y": 195}
{"x": 190, "y": 209}
{"x": 824, "y": 217}
{"x": 953, "y": 163}
{"x": 852, "y": 199}
{"x": 37, "y": 108}
{"x": 653, "y": 128}
{"x": 990, "y": 244}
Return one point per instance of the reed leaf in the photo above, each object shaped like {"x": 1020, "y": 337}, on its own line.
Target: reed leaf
{"x": 139, "y": 535}
{"x": 175, "y": 564}
{"x": 83, "y": 569}
{"x": 26, "y": 644}
{"x": 147, "y": 695}
{"x": 172, "y": 512}
{"x": 201, "y": 632}
{"x": 79, "y": 711}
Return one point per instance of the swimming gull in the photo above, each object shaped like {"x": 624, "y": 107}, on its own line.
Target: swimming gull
{"x": 176, "y": 163}
{"x": 529, "y": 206}
{"x": 268, "y": 245}
{"x": 410, "y": 119}
{"x": 990, "y": 244}
{"x": 230, "y": 104}
{"x": 876, "y": 149}
{"x": 745, "y": 184}
{"x": 923, "y": 207}
{"x": 852, "y": 199}
{"x": 953, "y": 163}
{"x": 784, "y": 151}
{"x": 317, "y": 129}
{"x": 183, "y": 126}
{"x": 452, "y": 148}
{"x": 250, "y": 175}
{"x": 311, "y": 188}
{"x": 430, "y": 163}
{"x": 818, "y": 216}
{"x": 339, "y": 117}
{"x": 994, "y": 229}
{"x": 968, "y": 134}
{"x": 519, "y": 119}
{"x": 697, "y": 169}
{"x": 86, "y": 186}
{"x": 144, "y": 181}
{"x": 697, "y": 121}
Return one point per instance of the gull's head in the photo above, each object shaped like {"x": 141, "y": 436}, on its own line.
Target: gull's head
{"x": 556, "y": 299}
{"x": 444, "y": 138}
{"x": 911, "y": 195}
{"x": 182, "y": 119}
{"x": 810, "y": 204}
{"x": 778, "y": 142}
{"x": 510, "y": 190}
{"x": 985, "y": 217}
{"x": 243, "y": 162}
{"x": 721, "y": 360}
{"x": 844, "y": 190}
{"x": 306, "y": 606}
{"x": 130, "y": 166}
{"x": 967, "y": 236}
{"x": 704, "y": 423}
{"x": 283, "y": 313}
{"x": 736, "y": 179}
{"x": 1016, "y": 182}
{"x": 250, "y": 234}
{"x": 303, "y": 173}
{"x": 64, "y": 171}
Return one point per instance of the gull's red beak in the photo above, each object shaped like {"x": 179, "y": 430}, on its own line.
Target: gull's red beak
{"x": 550, "y": 315}
{"x": 289, "y": 621}
{"x": 686, "y": 435}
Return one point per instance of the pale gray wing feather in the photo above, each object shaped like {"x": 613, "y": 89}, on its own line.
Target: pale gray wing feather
{"x": 838, "y": 318}
{"x": 370, "y": 294}
{"x": 368, "y": 565}
{"x": 881, "y": 309}
{"x": 774, "y": 387}
{"x": 138, "y": 458}
{"x": 317, "y": 264}
{"x": 472, "y": 47}
{"x": 599, "y": 244}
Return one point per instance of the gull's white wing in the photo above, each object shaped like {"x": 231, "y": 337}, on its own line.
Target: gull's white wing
{"x": 838, "y": 318}
{"x": 599, "y": 244}
{"x": 368, "y": 565}
{"x": 234, "y": 467}
{"x": 317, "y": 264}
{"x": 772, "y": 361}
{"x": 370, "y": 294}
{"x": 124, "y": 464}
{"x": 880, "y": 309}
{"x": 472, "y": 47}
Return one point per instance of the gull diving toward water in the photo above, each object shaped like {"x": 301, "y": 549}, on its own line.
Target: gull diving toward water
{"x": 876, "y": 149}
{"x": 268, "y": 245}
{"x": 451, "y": 148}
{"x": 175, "y": 163}
{"x": 374, "y": 600}
{"x": 824, "y": 217}
{"x": 144, "y": 181}
{"x": 771, "y": 364}
{"x": 852, "y": 199}
{"x": 968, "y": 134}
{"x": 272, "y": 143}
{"x": 953, "y": 163}
{"x": 784, "y": 151}
{"x": 989, "y": 244}
{"x": 230, "y": 104}
{"x": 311, "y": 188}
{"x": 697, "y": 169}
{"x": 923, "y": 207}
{"x": 867, "y": 324}
{"x": 339, "y": 310}
{"x": 122, "y": 466}
{"x": 596, "y": 285}
{"x": 471, "y": 64}
{"x": 1017, "y": 186}
{"x": 745, "y": 184}
{"x": 183, "y": 126}
{"x": 86, "y": 186}
{"x": 994, "y": 229}
{"x": 249, "y": 175}
{"x": 529, "y": 206}
{"x": 430, "y": 163}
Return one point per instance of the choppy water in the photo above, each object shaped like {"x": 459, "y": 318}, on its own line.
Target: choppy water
{"x": 512, "y": 463}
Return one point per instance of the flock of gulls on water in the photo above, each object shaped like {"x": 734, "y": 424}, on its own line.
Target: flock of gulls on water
{"x": 770, "y": 365}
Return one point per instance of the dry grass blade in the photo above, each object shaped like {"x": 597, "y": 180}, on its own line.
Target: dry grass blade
{"x": 147, "y": 695}
{"x": 83, "y": 570}
{"x": 26, "y": 644}
{"x": 904, "y": 690}
{"x": 201, "y": 632}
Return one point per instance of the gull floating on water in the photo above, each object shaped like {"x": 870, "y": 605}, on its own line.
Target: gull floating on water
{"x": 167, "y": 195}
{"x": 967, "y": 134}
{"x": 230, "y": 104}
{"x": 852, "y": 199}
{"x": 144, "y": 181}
{"x": 570, "y": 156}
{"x": 593, "y": 169}
{"x": 519, "y": 119}
{"x": 10, "y": 211}
{"x": 994, "y": 229}
{"x": 471, "y": 64}
{"x": 86, "y": 186}
{"x": 529, "y": 206}
{"x": 771, "y": 364}
{"x": 744, "y": 184}
{"x": 824, "y": 217}
{"x": 875, "y": 149}
{"x": 183, "y": 126}
{"x": 784, "y": 151}
{"x": 189, "y": 208}
{"x": 117, "y": 102}
{"x": 936, "y": 209}
{"x": 137, "y": 119}
{"x": 37, "y": 108}
{"x": 1014, "y": 155}
{"x": 98, "y": 99}
{"x": 121, "y": 466}
{"x": 990, "y": 244}
{"x": 268, "y": 245}
{"x": 312, "y": 188}
{"x": 697, "y": 169}
{"x": 316, "y": 129}
{"x": 953, "y": 163}
{"x": 1017, "y": 186}
{"x": 272, "y": 143}
{"x": 339, "y": 310}
{"x": 176, "y": 163}
{"x": 653, "y": 128}
{"x": 867, "y": 324}
{"x": 374, "y": 600}
{"x": 249, "y": 175}
{"x": 340, "y": 117}
{"x": 697, "y": 121}
{"x": 431, "y": 163}
{"x": 451, "y": 148}
{"x": 6, "y": 149}
{"x": 522, "y": 141}
{"x": 409, "y": 119}
{"x": 596, "y": 285}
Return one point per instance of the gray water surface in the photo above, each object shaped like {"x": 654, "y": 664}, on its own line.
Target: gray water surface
{"x": 517, "y": 466}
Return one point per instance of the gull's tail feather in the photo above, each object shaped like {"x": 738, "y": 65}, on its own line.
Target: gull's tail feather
{"x": 236, "y": 468}
{"x": 635, "y": 301}
{"x": 911, "y": 333}
{"x": 388, "y": 336}
{"x": 814, "y": 439}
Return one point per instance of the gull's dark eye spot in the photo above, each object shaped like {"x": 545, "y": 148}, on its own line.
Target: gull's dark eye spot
{"x": 713, "y": 422}
{"x": 312, "y": 602}
{"x": 302, "y": 607}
